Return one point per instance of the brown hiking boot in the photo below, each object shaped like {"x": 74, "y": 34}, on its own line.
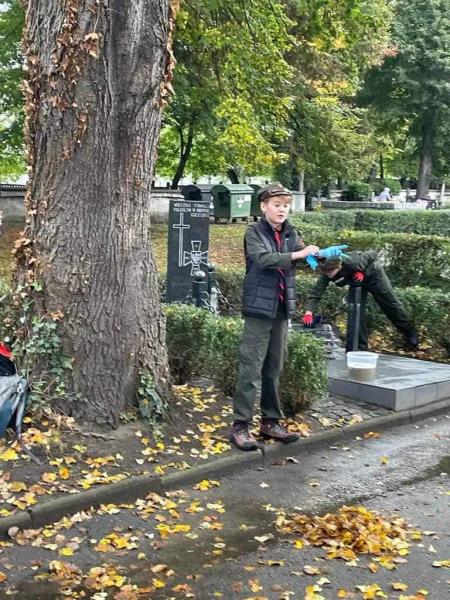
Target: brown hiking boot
{"x": 241, "y": 437}
{"x": 272, "y": 429}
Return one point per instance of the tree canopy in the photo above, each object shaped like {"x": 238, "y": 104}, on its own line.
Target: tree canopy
{"x": 11, "y": 97}
{"x": 254, "y": 80}
{"x": 232, "y": 84}
{"x": 412, "y": 86}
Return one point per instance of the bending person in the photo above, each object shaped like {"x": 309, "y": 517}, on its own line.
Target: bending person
{"x": 363, "y": 269}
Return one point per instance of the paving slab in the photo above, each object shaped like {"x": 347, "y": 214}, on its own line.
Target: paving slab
{"x": 400, "y": 383}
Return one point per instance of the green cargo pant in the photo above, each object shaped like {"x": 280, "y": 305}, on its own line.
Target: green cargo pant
{"x": 262, "y": 353}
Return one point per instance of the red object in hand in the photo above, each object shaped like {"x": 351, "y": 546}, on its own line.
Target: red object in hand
{"x": 358, "y": 276}
{"x": 308, "y": 319}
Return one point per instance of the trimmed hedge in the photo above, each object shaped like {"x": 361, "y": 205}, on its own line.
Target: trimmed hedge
{"x": 429, "y": 309}
{"x": 420, "y": 222}
{"x": 408, "y": 259}
{"x": 330, "y": 219}
{"x": 201, "y": 344}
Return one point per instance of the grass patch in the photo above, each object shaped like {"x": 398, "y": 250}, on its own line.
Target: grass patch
{"x": 226, "y": 245}
{"x": 7, "y": 239}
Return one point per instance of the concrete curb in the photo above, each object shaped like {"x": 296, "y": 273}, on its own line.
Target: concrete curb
{"x": 132, "y": 488}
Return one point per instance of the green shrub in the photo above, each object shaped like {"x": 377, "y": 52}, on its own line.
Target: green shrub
{"x": 230, "y": 283}
{"x": 330, "y": 219}
{"x": 304, "y": 378}
{"x": 430, "y": 312}
{"x": 428, "y": 308}
{"x": 222, "y": 336}
{"x": 393, "y": 185}
{"x": 421, "y": 222}
{"x": 213, "y": 352}
{"x": 357, "y": 190}
{"x": 185, "y": 325}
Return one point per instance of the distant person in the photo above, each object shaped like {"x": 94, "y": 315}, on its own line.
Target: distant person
{"x": 363, "y": 269}
{"x": 385, "y": 195}
{"x": 272, "y": 251}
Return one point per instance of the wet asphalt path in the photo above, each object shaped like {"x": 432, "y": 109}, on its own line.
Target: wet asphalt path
{"x": 404, "y": 472}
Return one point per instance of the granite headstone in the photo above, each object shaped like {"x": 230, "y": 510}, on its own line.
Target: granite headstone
{"x": 187, "y": 246}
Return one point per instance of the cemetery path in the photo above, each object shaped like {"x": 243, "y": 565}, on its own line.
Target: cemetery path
{"x": 81, "y": 469}
{"x": 240, "y": 538}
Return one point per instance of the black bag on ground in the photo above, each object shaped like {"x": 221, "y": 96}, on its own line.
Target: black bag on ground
{"x": 13, "y": 401}
{"x": 13, "y": 394}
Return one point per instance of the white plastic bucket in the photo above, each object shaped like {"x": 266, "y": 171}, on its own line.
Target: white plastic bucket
{"x": 362, "y": 366}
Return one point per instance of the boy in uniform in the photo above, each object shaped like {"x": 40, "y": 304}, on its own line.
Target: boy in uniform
{"x": 362, "y": 269}
{"x": 272, "y": 250}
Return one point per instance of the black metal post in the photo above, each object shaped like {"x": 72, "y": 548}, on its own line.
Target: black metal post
{"x": 353, "y": 317}
{"x": 200, "y": 289}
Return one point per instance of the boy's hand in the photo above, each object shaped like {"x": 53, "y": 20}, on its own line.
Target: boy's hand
{"x": 305, "y": 252}
{"x": 308, "y": 319}
{"x": 309, "y": 251}
{"x": 358, "y": 276}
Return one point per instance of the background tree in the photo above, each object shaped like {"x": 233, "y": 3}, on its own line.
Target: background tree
{"x": 11, "y": 97}
{"x": 336, "y": 44}
{"x": 98, "y": 75}
{"x": 232, "y": 89}
{"x": 411, "y": 86}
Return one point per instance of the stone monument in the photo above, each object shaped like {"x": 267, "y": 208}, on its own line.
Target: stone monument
{"x": 187, "y": 246}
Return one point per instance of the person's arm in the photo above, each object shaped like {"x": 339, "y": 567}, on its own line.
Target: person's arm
{"x": 266, "y": 259}
{"x": 315, "y": 294}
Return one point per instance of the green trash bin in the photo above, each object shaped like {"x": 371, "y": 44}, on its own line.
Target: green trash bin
{"x": 232, "y": 201}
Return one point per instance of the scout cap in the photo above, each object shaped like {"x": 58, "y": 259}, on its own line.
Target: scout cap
{"x": 273, "y": 189}
{"x": 329, "y": 264}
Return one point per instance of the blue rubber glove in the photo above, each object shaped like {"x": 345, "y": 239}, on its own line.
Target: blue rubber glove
{"x": 312, "y": 262}
{"x": 333, "y": 251}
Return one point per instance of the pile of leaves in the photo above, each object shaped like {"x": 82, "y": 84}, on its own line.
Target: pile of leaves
{"x": 352, "y": 531}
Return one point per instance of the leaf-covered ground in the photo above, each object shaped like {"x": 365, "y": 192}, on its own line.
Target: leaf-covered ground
{"x": 176, "y": 545}
{"x": 75, "y": 459}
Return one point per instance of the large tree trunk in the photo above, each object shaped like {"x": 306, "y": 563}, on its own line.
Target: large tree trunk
{"x": 99, "y": 72}
{"x": 426, "y": 159}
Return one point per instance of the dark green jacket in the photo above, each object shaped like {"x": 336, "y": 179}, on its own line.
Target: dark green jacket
{"x": 355, "y": 261}
{"x": 260, "y": 297}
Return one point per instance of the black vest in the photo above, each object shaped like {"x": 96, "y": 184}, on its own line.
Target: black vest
{"x": 260, "y": 298}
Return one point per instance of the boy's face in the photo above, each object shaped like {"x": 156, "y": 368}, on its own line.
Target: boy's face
{"x": 276, "y": 209}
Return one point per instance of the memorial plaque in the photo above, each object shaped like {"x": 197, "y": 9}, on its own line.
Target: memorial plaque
{"x": 187, "y": 246}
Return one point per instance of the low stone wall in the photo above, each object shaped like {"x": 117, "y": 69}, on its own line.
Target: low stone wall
{"x": 12, "y": 204}
{"x": 13, "y": 208}
{"x": 298, "y": 202}
{"x": 159, "y": 203}
{"x": 343, "y": 204}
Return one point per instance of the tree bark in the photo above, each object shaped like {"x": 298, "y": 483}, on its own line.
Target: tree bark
{"x": 426, "y": 158}
{"x": 185, "y": 152}
{"x": 381, "y": 167}
{"x": 98, "y": 76}
{"x": 233, "y": 175}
